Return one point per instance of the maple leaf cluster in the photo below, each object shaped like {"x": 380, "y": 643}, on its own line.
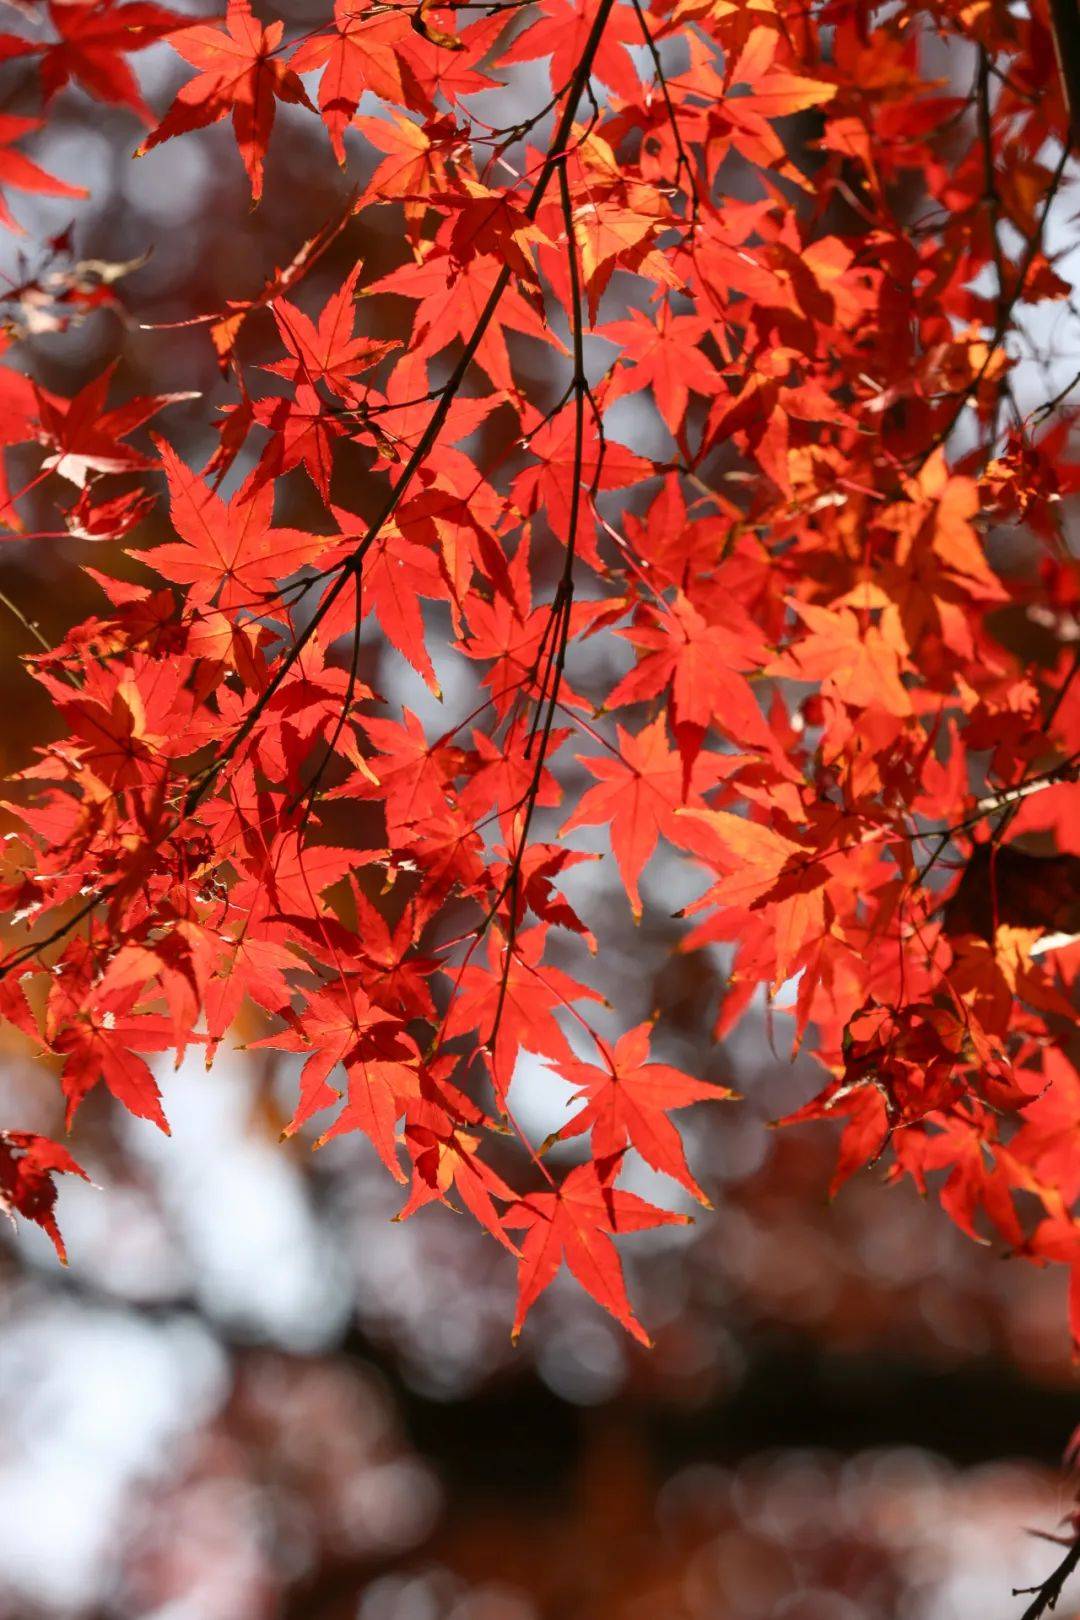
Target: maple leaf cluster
{"x": 801, "y": 256}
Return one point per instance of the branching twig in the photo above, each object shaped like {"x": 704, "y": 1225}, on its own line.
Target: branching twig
{"x": 1047, "y": 1595}
{"x": 198, "y": 789}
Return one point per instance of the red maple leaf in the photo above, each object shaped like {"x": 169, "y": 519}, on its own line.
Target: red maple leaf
{"x": 100, "y": 1035}
{"x": 239, "y": 75}
{"x": 451, "y": 297}
{"x": 341, "y": 1025}
{"x": 365, "y": 51}
{"x": 511, "y": 1003}
{"x": 706, "y": 666}
{"x": 327, "y": 350}
{"x": 561, "y": 31}
{"x": 302, "y": 432}
{"x": 547, "y": 483}
{"x": 628, "y": 1101}
{"x": 663, "y": 355}
{"x": 444, "y": 1154}
{"x": 575, "y": 1223}
{"x": 228, "y": 555}
{"x": 27, "y": 1166}
{"x": 1050, "y": 1135}
{"x": 640, "y": 791}
{"x": 18, "y": 171}
{"x": 84, "y": 438}
{"x": 95, "y": 37}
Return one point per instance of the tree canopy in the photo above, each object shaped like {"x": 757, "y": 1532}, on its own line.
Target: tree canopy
{"x": 697, "y": 477}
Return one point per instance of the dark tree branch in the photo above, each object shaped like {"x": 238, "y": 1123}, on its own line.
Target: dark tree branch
{"x": 1065, "y": 27}
{"x": 1046, "y": 1595}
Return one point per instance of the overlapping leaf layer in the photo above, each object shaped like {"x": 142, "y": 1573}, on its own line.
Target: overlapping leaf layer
{"x": 801, "y": 251}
